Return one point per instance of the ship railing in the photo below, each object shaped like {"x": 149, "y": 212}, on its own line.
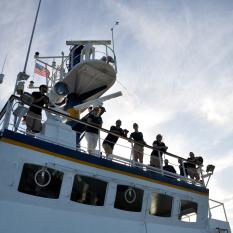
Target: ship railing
{"x": 6, "y": 117}
{"x": 149, "y": 168}
{"x": 101, "y": 52}
{"x": 213, "y": 205}
{"x": 107, "y": 55}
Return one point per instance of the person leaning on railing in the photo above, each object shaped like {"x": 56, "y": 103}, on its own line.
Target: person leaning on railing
{"x": 33, "y": 118}
{"x": 192, "y": 163}
{"x": 156, "y": 156}
{"x": 110, "y": 141}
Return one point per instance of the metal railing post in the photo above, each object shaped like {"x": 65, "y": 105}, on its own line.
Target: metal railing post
{"x": 7, "y": 115}
{"x": 99, "y": 142}
{"x": 161, "y": 162}
{"x": 224, "y": 212}
{"x": 185, "y": 175}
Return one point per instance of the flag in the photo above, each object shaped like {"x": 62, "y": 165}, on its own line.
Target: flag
{"x": 41, "y": 70}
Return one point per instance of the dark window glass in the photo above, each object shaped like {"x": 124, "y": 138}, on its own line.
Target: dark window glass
{"x": 128, "y": 198}
{"x": 88, "y": 190}
{"x": 188, "y": 211}
{"x": 161, "y": 205}
{"x": 40, "y": 181}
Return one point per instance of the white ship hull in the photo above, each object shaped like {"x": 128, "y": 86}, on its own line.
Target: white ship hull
{"x": 21, "y": 212}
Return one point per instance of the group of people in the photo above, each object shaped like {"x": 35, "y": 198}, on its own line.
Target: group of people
{"x": 94, "y": 121}
{"x": 190, "y": 167}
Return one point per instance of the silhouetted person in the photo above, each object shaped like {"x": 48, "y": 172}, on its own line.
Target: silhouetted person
{"x": 110, "y": 141}
{"x": 138, "y": 144}
{"x": 182, "y": 167}
{"x": 167, "y": 167}
{"x": 92, "y": 134}
{"x": 191, "y": 167}
{"x": 33, "y": 118}
{"x": 156, "y": 155}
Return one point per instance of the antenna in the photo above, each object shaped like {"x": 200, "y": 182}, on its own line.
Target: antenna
{"x": 4, "y": 64}
{"x": 112, "y": 29}
{"x": 2, "y": 75}
{"x": 22, "y": 75}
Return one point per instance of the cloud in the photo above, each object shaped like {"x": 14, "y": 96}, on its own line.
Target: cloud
{"x": 174, "y": 58}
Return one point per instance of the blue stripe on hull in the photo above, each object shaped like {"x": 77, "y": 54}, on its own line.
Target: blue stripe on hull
{"x": 103, "y": 163}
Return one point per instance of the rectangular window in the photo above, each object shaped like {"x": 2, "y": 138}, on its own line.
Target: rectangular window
{"x": 188, "y": 211}
{"x": 40, "y": 181}
{"x": 128, "y": 198}
{"x": 88, "y": 190}
{"x": 161, "y": 205}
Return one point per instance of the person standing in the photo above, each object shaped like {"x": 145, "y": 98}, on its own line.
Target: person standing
{"x": 33, "y": 118}
{"x": 191, "y": 167}
{"x": 168, "y": 168}
{"x": 110, "y": 141}
{"x": 156, "y": 154}
{"x": 138, "y": 144}
{"x": 92, "y": 134}
{"x": 182, "y": 167}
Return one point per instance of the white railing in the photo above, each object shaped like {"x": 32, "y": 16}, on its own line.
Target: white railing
{"x": 213, "y": 204}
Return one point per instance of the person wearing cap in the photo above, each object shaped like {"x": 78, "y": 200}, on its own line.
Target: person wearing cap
{"x": 156, "y": 154}
{"x": 92, "y": 133}
{"x": 33, "y": 118}
{"x": 110, "y": 141}
{"x": 138, "y": 144}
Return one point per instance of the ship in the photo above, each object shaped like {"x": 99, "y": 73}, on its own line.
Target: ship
{"x": 48, "y": 184}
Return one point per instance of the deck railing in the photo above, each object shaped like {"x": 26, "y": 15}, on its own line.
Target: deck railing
{"x": 219, "y": 205}
{"x": 7, "y": 122}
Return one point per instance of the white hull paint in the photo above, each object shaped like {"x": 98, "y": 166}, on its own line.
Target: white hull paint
{"x": 21, "y": 212}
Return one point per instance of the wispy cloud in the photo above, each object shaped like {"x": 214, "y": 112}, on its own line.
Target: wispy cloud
{"x": 174, "y": 57}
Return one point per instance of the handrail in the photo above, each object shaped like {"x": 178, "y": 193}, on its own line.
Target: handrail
{"x": 219, "y": 204}
{"x": 3, "y": 111}
{"x": 50, "y": 110}
{"x": 62, "y": 114}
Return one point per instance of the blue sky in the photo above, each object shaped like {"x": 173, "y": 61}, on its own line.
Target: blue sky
{"x": 174, "y": 58}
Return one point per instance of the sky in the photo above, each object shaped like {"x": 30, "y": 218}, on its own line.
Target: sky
{"x": 175, "y": 68}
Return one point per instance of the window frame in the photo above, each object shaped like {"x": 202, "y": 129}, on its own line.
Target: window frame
{"x": 38, "y": 167}
{"x": 150, "y": 203}
{"x": 179, "y": 218}
{"x": 138, "y": 187}
{"x": 95, "y": 177}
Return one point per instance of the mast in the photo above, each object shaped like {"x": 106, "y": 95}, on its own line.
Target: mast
{"x": 22, "y": 75}
{"x": 1, "y": 74}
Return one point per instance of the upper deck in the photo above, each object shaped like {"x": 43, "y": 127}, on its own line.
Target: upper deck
{"x": 61, "y": 144}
